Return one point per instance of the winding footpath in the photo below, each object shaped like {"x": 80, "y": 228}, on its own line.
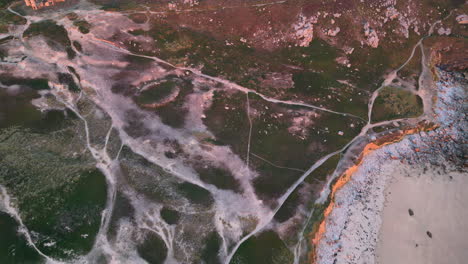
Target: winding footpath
{"x": 107, "y": 165}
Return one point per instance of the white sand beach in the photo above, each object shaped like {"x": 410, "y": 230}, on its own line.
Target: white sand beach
{"x": 407, "y": 202}
{"x": 438, "y": 203}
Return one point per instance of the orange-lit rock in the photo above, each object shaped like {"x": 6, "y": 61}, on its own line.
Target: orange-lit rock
{"x": 41, "y": 3}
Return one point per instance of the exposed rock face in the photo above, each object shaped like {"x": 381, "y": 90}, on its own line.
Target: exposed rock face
{"x": 462, "y": 19}
{"x": 372, "y": 39}
{"x": 333, "y": 32}
{"x": 305, "y": 30}
{"x": 444, "y": 31}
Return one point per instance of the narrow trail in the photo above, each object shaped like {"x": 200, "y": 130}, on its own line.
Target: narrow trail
{"x": 274, "y": 165}
{"x": 6, "y": 199}
{"x": 394, "y": 74}
{"x": 363, "y": 132}
{"x": 222, "y": 81}
{"x": 105, "y": 163}
{"x": 148, "y": 9}
{"x": 13, "y": 212}
{"x": 247, "y": 158}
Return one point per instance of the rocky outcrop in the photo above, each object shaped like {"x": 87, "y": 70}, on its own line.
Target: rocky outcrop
{"x": 372, "y": 39}
{"x": 34, "y": 4}
{"x": 462, "y": 19}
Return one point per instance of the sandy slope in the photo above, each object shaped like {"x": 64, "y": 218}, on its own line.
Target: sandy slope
{"x": 439, "y": 202}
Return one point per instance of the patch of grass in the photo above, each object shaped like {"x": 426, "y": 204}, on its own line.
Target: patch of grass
{"x": 311, "y": 83}
{"x": 393, "y": 103}
{"x": 50, "y": 30}
{"x": 319, "y": 175}
{"x": 288, "y": 209}
{"x": 315, "y": 71}
{"x": 123, "y": 209}
{"x": 83, "y": 26}
{"x": 153, "y": 249}
{"x": 7, "y": 18}
{"x": 138, "y": 18}
{"x": 60, "y": 197}
{"x": 219, "y": 177}
{"x": 66, "y": 78}
{"x": 227, "y": 120}
{"x": 5, "y": 3}
{"x": 54, "y": 34}
{"x": 156, "y": 92}
{"x": 13, "y": 247}
{"x": 17, "y": 111}
{"x": 195, "y": 194}
{"x": 211, "y": 250}
{"x": 77, "y": 46}
{"x": 170, "y": 216}
{"x": 265, "y": 248}
{"x": 119, "y": 5}
{"x": 174, "y": 112}
{"x": 72, "y": 16}
{"x": 35, "y": 84}
{"x": 184, "y": 46}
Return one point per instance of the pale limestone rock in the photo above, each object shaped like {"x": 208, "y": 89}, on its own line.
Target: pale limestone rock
{"x": 348, "y": 50}
{"x": 372, "y": 39}
{"x": 444, "y": 31}
{"x": 333, "y": 32}
{"x": 305, "y": 30}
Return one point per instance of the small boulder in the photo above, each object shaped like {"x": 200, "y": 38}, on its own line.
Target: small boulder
{"x": 429, "y": 234}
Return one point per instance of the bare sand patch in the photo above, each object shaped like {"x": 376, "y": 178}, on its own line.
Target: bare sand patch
{"x": 436, "y": 232}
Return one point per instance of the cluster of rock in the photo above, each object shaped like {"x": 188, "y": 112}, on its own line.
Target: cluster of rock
{"x": 37, "y": 4}
{"x": 305, "y": 30}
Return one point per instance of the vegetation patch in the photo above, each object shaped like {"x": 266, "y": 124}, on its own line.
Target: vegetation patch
{"x": 167, "y": 99}
{"x": 211, "y": 250}
{"x": 13, "y": 246}
{"x": 72, "y": 16}
{"x": 66, "y": 78}
{"x": 54, "y": 34}
{"x": 219, "y": 177}
{"x": 155, "y": 93}
{"x": 7, "y": 18}
{"x": 123, "y": 209}
{"x": 48, "y": 29}
{"x": 139, "y": 18}
{"x": 153, "y": 249}
{"x": 227, "y": 120}
{"x": 170, "y": 216}
{"x": 195, "y": 194}
{"x": 83, "y": 26}
{"x": 264, "y": 248}
{"x": 33, "y": 83}
{"x": 60, "y": 196}
{"x": 393, "y": 103}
